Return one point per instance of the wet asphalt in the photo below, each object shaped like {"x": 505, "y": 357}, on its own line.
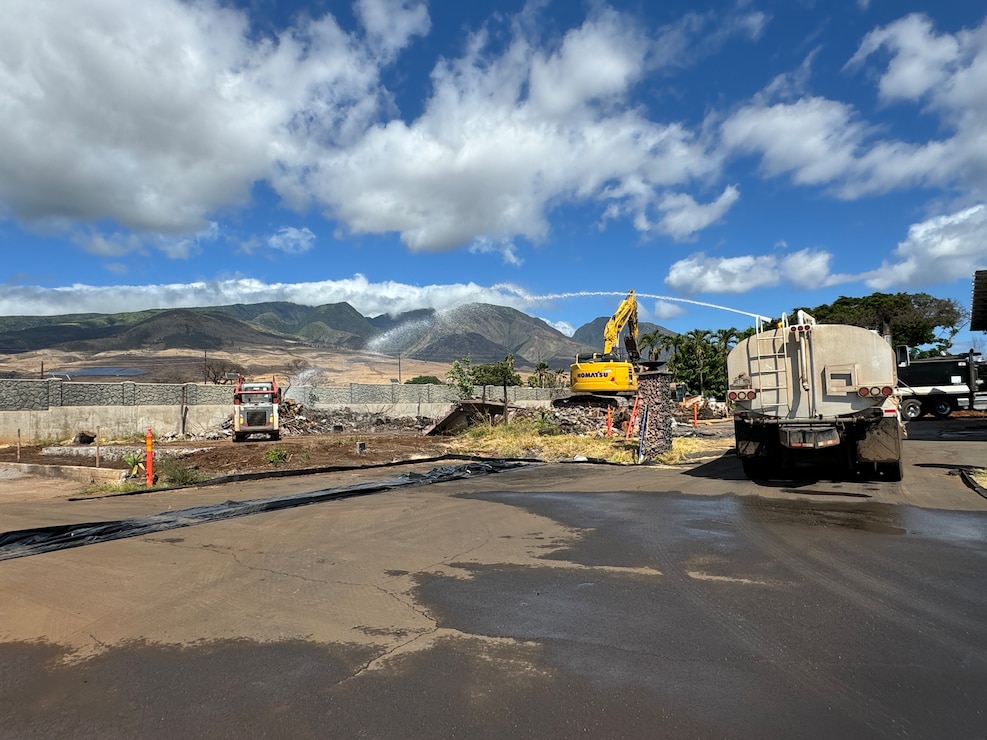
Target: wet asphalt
{"x": 764, "y": 617}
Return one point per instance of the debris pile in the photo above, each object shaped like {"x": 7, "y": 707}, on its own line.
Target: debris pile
{"x": 296, "y": 420}
{"x": 705, "y": 408}
{"x": 574, "y": 419}
{"x": 593, "y": 421}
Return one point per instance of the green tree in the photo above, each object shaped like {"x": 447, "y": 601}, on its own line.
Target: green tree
{"x": 697, "y": 359}
{"x": 654, "y": 342}
{"x": 496, "y": 373}
{"x": 915, "y": 319}
{"x": 461, "y": 376}
{"x": 698, "y": 349}
{"x": 724, "y": 340}
{"x": 423, "y": 380}
{"x": 672, "y": 343}
{"x": 540, "y": 378}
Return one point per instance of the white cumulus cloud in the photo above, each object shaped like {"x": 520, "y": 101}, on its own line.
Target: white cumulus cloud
{"x": 701, "y": 274}
{"x": 369, "y": 298}
{"x": 921, "y": 59}
{"x": 682, "y": 216}
{"x": 805, "y": 268}
{"x": 817, "y": 141}
{"x": 392, "y": 23}
{"x": 939, "y": 250}
{"x": 664, "y": 310}
{"x": 156, "y": 116}
{"x": 509, "y": 133}
{"x": 291, "y": 240}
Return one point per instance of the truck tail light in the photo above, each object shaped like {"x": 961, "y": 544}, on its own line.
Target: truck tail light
{"x": 887, "y": 390}
{"x": 742, "y": 395}
{"x": 874, "y": 390}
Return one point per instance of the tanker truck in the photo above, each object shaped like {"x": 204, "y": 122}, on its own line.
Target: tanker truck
{"x": 818, "y": 395}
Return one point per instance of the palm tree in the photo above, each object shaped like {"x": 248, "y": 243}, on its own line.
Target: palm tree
{"x": 541, "y": 369}
{"x": 723, "y": 340}
{"x": 698, "y": 344}
{"x": 671, "y": 343}
{"x": 650, "y": 340}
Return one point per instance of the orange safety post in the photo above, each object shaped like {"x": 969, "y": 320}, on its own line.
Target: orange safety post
{"x": 695, "y": 414}
{"x": 635, "y": 410}
{"x": 609, "y": 421}
{"x": 149, "y": 458}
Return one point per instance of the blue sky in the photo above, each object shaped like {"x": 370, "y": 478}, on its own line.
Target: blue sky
{"x": 396, "y": 154}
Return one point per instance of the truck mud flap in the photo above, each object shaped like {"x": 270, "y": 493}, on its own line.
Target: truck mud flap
{"x": 752, "y": 440}
{"x": 880, "y": 442}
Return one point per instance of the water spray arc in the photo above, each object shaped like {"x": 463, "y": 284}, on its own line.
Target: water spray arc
{"x": 598, "y": 293}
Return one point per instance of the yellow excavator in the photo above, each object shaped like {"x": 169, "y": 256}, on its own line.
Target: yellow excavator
{"x": 601, "y": 379}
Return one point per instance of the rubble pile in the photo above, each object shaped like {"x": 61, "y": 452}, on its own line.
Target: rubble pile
{"x": 706, "y": 410}
{"x": 574, "y": 419}
{"x": 295, "y": 419}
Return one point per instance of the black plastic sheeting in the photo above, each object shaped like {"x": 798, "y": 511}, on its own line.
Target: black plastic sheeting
{"x": 24, "y": 542}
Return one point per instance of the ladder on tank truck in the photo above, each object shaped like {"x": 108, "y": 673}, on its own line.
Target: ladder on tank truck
{"x": 769, "y": 363}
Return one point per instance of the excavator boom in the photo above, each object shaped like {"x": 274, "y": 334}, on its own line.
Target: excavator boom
{"x": 625, "y": 315}
{"x": 595, "y": 377}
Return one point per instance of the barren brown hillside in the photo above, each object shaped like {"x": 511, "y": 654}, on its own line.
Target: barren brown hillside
{"x": 302, "y": 365}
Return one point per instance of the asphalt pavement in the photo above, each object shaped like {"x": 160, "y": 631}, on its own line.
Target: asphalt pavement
{"x": 549, "y": 601}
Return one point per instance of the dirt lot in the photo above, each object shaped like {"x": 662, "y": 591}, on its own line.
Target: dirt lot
{"x": 222, "y": 457}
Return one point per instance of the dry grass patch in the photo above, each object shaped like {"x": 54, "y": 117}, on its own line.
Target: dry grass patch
{"x": 539, "y": 439}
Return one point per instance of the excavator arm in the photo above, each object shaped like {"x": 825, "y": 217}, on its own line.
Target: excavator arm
{"x": 593, "y": 378}
{"x": 625, "y": 315}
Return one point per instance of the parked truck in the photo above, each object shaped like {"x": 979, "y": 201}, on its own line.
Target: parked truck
{"x": 815, "y": 394}
{"x": 255, "y": 408}
{"x": 940, "y": 385}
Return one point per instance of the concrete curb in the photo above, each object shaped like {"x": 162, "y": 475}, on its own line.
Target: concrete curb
{"x": 967, "y": 477}
{"x": 70, "y": 472}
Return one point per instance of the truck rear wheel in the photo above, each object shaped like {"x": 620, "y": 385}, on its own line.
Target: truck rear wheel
{"x": 754, "y": 468}
{"x": 891, "y": 471}
{"x": 911, "y": 408}
{"x": 942, "y": 408}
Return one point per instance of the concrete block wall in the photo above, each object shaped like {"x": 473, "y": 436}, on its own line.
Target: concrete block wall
{"x": 395, "y": 393}
{"x": 47, "y": 410}
{"x": 62, "y": 423}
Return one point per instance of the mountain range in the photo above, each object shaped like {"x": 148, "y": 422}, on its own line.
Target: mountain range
{"x": 484, "y": 332}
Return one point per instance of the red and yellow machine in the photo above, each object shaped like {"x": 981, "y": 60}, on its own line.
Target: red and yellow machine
{"x": 255, "y": 408}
